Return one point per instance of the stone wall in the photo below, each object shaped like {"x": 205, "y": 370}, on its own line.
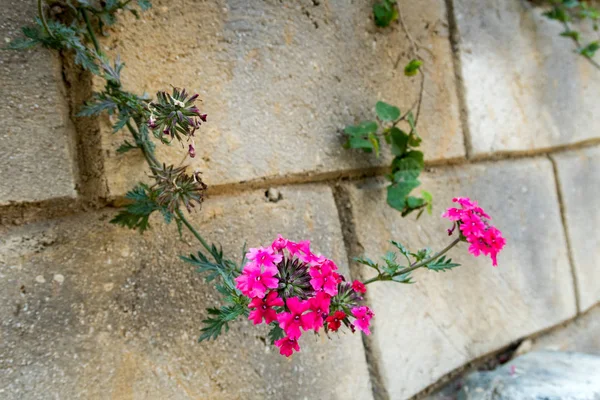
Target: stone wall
{"x": 90, "y": 310}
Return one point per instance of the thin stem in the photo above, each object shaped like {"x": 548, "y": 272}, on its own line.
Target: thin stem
{"x": 43, "y": 18}
{"x": 576, "y": 41}
{"x": 152, "y": 161}
{"x": 193, "y": 230}
{"x": 90, "y": 30}
{"x": 414, "y": 266}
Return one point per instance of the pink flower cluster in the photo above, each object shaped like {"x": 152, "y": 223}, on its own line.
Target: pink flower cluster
{"x": 473, "y": 224}
{"x": 290, "y": 286}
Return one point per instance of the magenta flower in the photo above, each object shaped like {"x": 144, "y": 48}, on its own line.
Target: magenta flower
{"x": 319, "y": 307}
{"x": 280, "y": 243}
{"x": 363, "y": 317}
{"x": 263, "y": 308}
{"x": 298, "y": 248}
{"x": 264, "y": 256}
{"x": 254, "y": 282}
{"x": 292, "y": 321}
{"x": 287, "y": 345}
{"x": 474, "y": 226}
{"x": 324, "y": 279}
{"x": 359, "y": 287}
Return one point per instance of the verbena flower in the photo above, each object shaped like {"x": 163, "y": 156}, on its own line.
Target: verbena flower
{"x": 297, "y": 290}
{"x": 174, "y": 116}
{"x": 473, "y": 224}
{"x": 363, "y": 317}
{"x": 177, "y": 188}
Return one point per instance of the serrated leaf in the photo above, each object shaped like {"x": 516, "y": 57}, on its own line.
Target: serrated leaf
{"x": 412, "y": 68}
{"x": 137, "y": 214}
{"x": 441, "y": 264}
{"x": 403, "y": 250}
{"x": 367, "y": 261}
{"x": 387, "y": 112}
{"x": 125, "y": 147}
{"x": 218, "y": 320}
{"x": 97, "y": 107}
{"x": 275, "y": 333}
{"x": 404, "y": 278}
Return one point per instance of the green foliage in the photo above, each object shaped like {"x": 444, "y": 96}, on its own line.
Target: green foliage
{"x": 574, "y": 11}
{"x": 412, "y": 68}
{"x": 275, "y": 333}
{"x": 363, "y": 136}
{"x": 441, "y": 264}
{"x": 386, "y": 112}
{"x": 137, "y": 214}
{"x": 385, "y": 12}
{"x": 125, "y": 147}
{"x": 219, "y": 319}
{"x": 106, "y": 11}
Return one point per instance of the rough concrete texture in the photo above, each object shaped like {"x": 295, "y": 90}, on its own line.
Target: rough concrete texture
{"x": 280, "y": 79}
{"x": 91, "y": 310}
{"x": 524, "y": 87}
{"x": 36, "y": 143}
{"x": 539, "y": 375}
{"x": 579, "y": 178}
{"x": 426, "y": 330}
{"x": 581, "y": 335}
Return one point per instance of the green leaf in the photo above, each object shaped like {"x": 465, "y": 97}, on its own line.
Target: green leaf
{"x": 102, "y": 103}
{"x": 558, "y": 14}
{"x": 391, "y": 266}
{"x": 429, "y": 199}
{"x": 219, "y": 319}
{"x": 136, "y": 215}
{"x": 226, "y": 269}
{"x": 403, "y": 250}
{"x": 410, "y": 118}
{"x": 422, "y": 254}
{"x": 399, "y": 141}
{"x": 405, "y": 168}
{"x": 385, "y": 13}
{"x": 125, "y": 147}
{"x": 276, "y": 333}
{"x": 441, "y": 264}
{"x": 397, "y": 192}
{"x": 590, "y": 50}
{"x": 22, "y": 44}
{"x": 367, "y": 261}
{"x": 404, "y": 278}
{"x": 412, "y": 68}
{"x": 415, "y": 202}
{"x": 374, "y": 140}
{"x": 571, "y": 34}
{"x": 144, "y": 4}
{"x": 362, "y": 129}
{"x": 387, "y": 112}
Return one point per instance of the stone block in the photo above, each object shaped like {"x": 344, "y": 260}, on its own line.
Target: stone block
{"x": 525, "y": 88}
{"x": 426, "y": 330}
{"x": 91, "y": 310}
{"x": 36, "y": 147}
{"x": 280, "y": 80}
{"x": 579, "y": 178}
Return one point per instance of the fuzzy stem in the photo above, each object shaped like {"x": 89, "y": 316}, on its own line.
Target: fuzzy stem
{"x": 90, "y": 30}
{"x": 414, "y": 266}
{"x": 43, "y": 18}
{"x": 193, "y": 230}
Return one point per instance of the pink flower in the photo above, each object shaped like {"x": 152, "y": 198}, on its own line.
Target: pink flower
{"x": 280, "y": 243}
{"x": 263, "y": 308}
{"x": 359, "y": 287}
{"x": 324, "y": 278}
{"x": 363, "y": 317}
{"x": 292, "y": 321}
{"x": 264, "y": 256}
{"x": 319, "y": 307}
{"x": 335, "y": 321}
{"x": 472, "y": 225}
{"x": 297, "y": 248}
{"x": 287, "y": 345}
{"x": 254, "y": 282}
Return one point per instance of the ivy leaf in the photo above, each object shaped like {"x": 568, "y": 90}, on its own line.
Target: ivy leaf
{"x": 362, "y": 129}
{"x": 558, "y": 14}
{"x": 385, "y": 13}
{"x": 397, "y": 192}
{"x": 429, "y": 199}
{"x": 412, "y": 68}
{"x": 219, "y": 319}
{"x": 441, "y": 264}
{"x": 399, "y": 141}
{"x": 362, "y": 136}
{"x": 387, "y": 112}
{"x": 125, "y": 147}
{"x": 276, "y": 333}
{"x": 590, "y": 50}
{"x": 410, "y": 118}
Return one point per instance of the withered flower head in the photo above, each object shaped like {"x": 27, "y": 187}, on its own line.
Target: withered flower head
{"x": 176, "y": 187}
{"x": 175, "y": 115}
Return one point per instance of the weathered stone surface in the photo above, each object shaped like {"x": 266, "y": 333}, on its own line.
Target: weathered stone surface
{"x": 539, "y": 375}
{"x": 426, "y": 330}
{"x": 579, "y": 178}
{"x": 525, "y": 88}
{"x": 279, "y": 80}
{"x": 35, "y": 148}
{"x": 90, "y": 310}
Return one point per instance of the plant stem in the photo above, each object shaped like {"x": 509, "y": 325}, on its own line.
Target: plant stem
{"x": 90, "y": 30}
{"x": 193, "y": 230}
{"x": 43, "y": 18}
{"x": 152, "y": 161}
{"x": 414, "y": 266}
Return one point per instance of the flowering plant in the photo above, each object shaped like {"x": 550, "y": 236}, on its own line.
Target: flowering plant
{"x": 284, "y": 285}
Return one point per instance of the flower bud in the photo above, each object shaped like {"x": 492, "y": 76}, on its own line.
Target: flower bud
{"x": 192, "y": 151}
